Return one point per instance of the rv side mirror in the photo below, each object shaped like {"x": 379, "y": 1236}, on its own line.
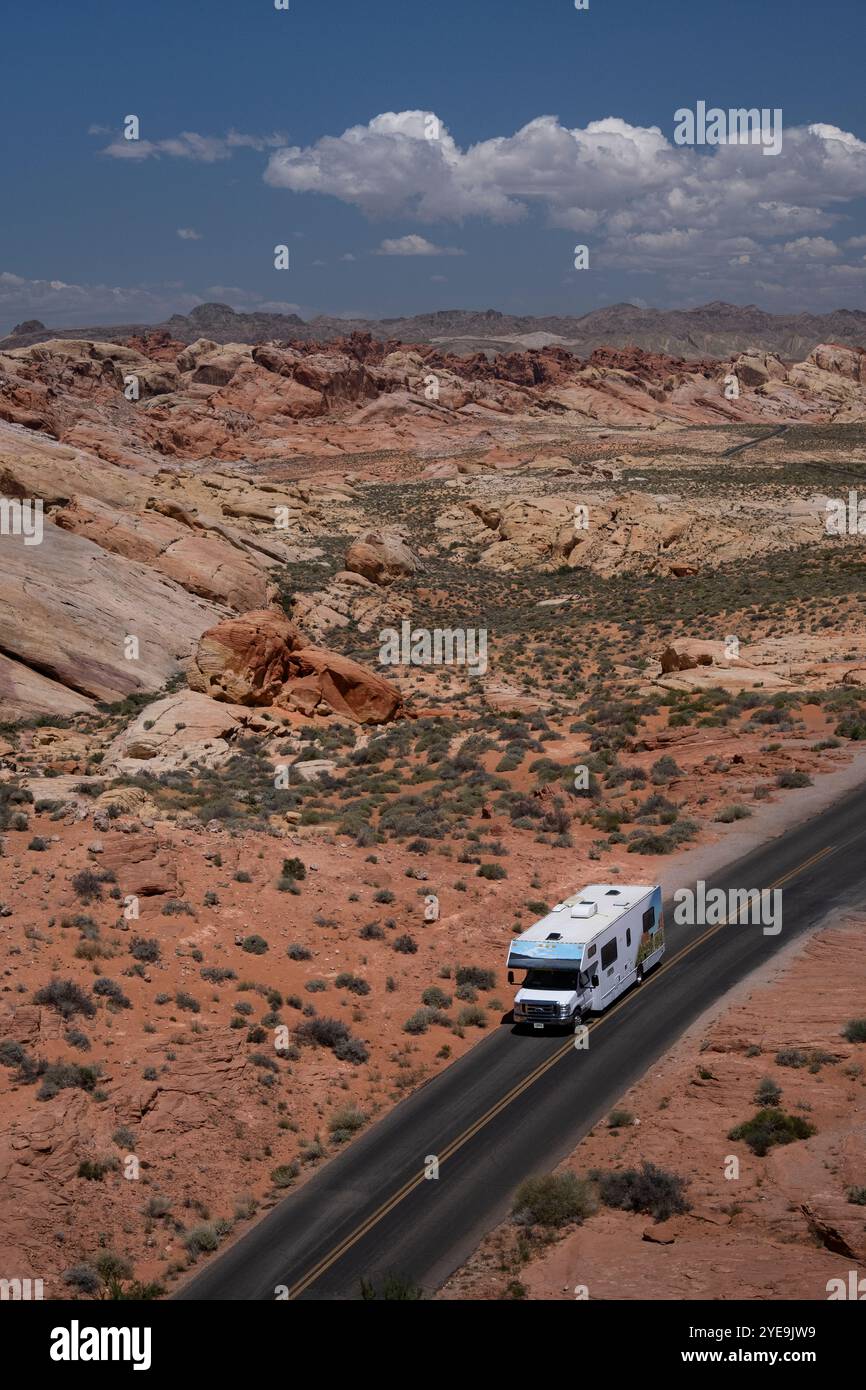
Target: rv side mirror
{"x": 595, "y": 982}
{"x": 511, "y": 977}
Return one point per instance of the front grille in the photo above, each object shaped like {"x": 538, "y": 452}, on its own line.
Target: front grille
{"x": 541, "y": 1011}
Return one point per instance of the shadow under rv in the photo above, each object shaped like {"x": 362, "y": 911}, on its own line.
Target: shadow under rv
{"x": 585, "y": 953}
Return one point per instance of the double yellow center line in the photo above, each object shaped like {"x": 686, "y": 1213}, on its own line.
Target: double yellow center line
{"x": 529, "y": 1080}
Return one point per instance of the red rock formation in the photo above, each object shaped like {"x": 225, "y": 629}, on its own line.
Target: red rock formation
{"x": 261, "y": 658}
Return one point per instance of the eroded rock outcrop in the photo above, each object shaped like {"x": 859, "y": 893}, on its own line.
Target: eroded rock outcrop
{"x": 380, "y": 556}
{"x": 261, "y": 658}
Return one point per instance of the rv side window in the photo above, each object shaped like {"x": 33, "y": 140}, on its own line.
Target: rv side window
{"x": 628, "y": 936}
{"x": 590, "y": 953}
{"x": 649, "y": 919}
{"x": 608, "y": 954}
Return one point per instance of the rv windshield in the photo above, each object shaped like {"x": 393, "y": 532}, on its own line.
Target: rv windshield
{"x": 550, "y": 979}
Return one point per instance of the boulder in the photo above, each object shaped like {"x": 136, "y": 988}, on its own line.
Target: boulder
{"x": 380, "y": 556}
{"x": 842, "y": 361}
{"x": 757, "y": 368}
{"x": 328, "y": 682}
{"x": 180, "y": 729}
{"x": 261, "y": 658}
{"x": 672, "y": 660}
{"x": 245, "y": 660}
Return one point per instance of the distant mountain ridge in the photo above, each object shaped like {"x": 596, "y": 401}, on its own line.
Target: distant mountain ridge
{"x": 710, "y": 330}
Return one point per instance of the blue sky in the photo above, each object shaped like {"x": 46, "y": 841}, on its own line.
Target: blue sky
{"x": 484, "y": 215}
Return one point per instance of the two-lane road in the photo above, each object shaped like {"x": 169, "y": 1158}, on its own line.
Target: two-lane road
{"x": 517, "y": 1104}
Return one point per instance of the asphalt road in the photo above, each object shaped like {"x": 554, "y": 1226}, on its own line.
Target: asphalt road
{"x": 750, "y": 443}
{"x": 517, "y": 1104}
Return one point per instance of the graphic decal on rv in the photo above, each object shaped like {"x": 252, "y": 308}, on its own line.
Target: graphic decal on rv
{"x": 653, "y": 934}
{"x": 554, "y": 954}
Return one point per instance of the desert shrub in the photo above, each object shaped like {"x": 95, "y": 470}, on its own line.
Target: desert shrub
{"x": 243, "y": 877}
{"x": 664, "y": 769}
{"x": 554, "y": 1199}
{"x": 419, "y": 1022}
{"x": 294, "y": 869}
{"x": 436, "y": 998}
{"x": 727, "y": 814}
{"x": 315, "y": 986}
{"x": 83, "y": 1278}
{"x": 254, "y": 945}
{"x": 12, "y": 1054}
{"x": 111, "y": 990}
{"x": 851, "y": 727}
{"x": 175, "y": 907}
{"x": 346, "y": 1122}
{"x": 201, "y": 1240}
{"x": 793, "y": 777}
{"x": 39, "y": 843}
{"x": 476, "y": 976}
{"x": 124, "y": 1137}
{"x": 89, "y": 949}
{"x": 351, "y": 1050}
{"x": 855, "y": 1030}
{"x": 332, "y": 1033}
{"x": 144, "y": 948}
{"x": 298, "y": 952}
{"x": 649, "y": 1189}
{"x": 619, "y": 1119}
{"x": 768, "y": 1092}
{"x": 261, "y": 1059}
{"x": 157, "y": 1207}
{"x": 66, "y": 997}
{"x": 353, "y": 983}
{"x": 187, "y": 1002}
{"x": 94, "y": 1169}
{"x": 65, "y": 1076}
{"x": 284, "y": 1174}
{"x": 473, "y": 1016}
{"x": 371, "y": 932}
{"x": 770, "y": 1127}
{"x": 491, "y": 871}
{"x": 217, "y": 974}
{"x": 384, "y": 895}
{"x": 87, "y": 886}
{"x": 405, "y": 945}
{"x": 791, "y": 1057}
{"x": 857, "y": 1195}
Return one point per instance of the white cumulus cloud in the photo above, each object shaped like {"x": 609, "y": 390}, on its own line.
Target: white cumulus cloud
{"x": 414, "y": 245}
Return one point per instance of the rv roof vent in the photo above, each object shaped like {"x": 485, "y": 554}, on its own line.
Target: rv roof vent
{"x": 554, "y": 936}
{"x": 558, "y": 907}
{"x": 612, "y": 893}
{"x": 584, "y": 909}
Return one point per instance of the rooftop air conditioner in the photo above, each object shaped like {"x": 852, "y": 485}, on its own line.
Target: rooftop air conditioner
{"x": 584, "y": 909}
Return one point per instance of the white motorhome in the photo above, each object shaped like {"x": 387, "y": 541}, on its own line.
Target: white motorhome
{"x": 586, "y": 952}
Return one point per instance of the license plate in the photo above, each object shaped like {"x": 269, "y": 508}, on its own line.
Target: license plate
{"x": 538, "y": 1025}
